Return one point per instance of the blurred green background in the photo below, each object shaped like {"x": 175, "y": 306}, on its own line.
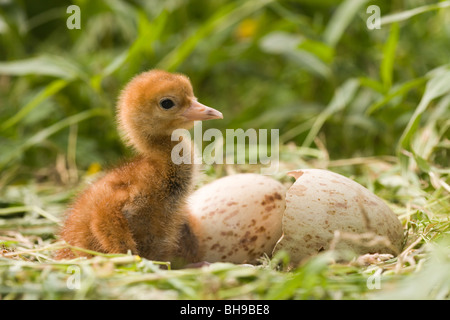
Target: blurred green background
{"x": 312, "y": 69}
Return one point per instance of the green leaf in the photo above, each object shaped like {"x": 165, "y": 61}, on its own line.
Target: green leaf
{"x": 319, "y": 49}
{"x": 372, "y": 84}
{"x": 148, "y": 33}
{"x": 42, "y": 65}
{"x": 40, "y": 136}
{"x": 290, "y": 46}
{"x": 50, "y": 90}
{"x": 342, "y": 97}
{"x": 387, "y": 64}
{"x": 422, "y": 163}
{"x": 310, "y": 62}
{"x": 404, "y": 15}
{"x": 279, "y": 42}
{"x": 431, "y": 134}
{"x": 394, "y": 92}
{"x": 438, "y": 85}
{"x": 341, "y": 19}
{"x": 227, "y": 16}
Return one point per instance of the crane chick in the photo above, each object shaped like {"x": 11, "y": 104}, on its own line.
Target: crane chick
{"x": 141, "y": 205}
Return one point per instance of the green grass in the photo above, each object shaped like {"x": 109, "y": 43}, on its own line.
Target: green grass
{"x": 372, "y": 105}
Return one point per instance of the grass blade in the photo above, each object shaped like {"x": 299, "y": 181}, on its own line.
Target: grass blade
{"x": 387, "y": 65}
{"x": 394, "y": 92}
{"x": 341, "y": 98}
{"x": 44, "y": 65}
{"x": 225, "y": 17}
{"x": 405, "y": 15}
{"x": 438, "y": 85}
{"x": 340, "y": 20}
{"x": 45, "y": 133}
{"x": 50, "y": 90}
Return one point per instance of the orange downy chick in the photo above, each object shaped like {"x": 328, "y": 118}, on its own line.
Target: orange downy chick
{"x": 140, "y": 205}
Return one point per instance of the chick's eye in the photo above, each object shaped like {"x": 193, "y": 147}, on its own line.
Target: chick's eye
{"x": 166, "y": 104}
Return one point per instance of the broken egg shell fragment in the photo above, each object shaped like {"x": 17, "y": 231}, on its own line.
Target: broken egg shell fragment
{"x": 321, "y": 204}
{"x": 237, "y": 218}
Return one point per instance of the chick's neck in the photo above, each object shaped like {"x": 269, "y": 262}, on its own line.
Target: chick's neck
{"x": 160, "y": 150}
{"x": 160, "y": 147}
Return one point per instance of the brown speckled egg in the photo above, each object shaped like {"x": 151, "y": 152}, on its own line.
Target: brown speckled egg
{"x": 238, "y": 218}
{"x": 321, "y": 202}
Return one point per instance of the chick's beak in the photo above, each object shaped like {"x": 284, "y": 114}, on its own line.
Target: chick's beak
{"x": 198, "y": 111}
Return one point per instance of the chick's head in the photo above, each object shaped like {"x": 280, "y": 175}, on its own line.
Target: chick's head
{"x": 155, "y": 103}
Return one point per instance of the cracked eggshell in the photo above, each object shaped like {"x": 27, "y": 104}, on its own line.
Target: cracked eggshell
{"x": 321, "y": 202}
{"x": 237, "y": 218}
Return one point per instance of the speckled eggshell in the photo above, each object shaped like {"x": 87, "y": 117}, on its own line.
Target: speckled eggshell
{"x": 238, "y": 218}
{"x": 321, "y": 202}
